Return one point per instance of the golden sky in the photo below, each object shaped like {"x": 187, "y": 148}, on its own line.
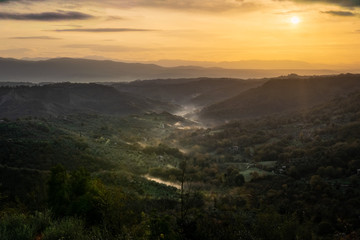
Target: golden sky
{"x": 328, "y": 31}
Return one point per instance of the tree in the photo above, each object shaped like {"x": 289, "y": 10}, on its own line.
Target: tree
{"x": 84, "y": 196}
{"x": 317, "y": 183}
{"x": 73, "y": 195}
{"x": 234, "y": 178}
{"x": 58, "y": 192}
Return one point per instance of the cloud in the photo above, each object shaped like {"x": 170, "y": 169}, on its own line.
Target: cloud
{"x": 289, "y": 12}
{"x": 344, "y": 3}
{"x": 45, "y": 16}
{"x": 115, "y": 18}
{"x": 36, "y": 37}
{"x": 102, "y": 30}
{"x": 214, "y": 5}
{"x": 69, "y": 25}
{"x": 184, "y": 5}
{"x": 104, "y": 48}
{"x": 194, "y": 5}
{"x": 14, "y": 51}
{"x": 340, "y": 13}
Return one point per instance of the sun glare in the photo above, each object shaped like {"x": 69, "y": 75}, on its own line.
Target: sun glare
{"x": 295, "y": 20}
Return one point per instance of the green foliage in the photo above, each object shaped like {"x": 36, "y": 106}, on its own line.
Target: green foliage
{"x": 67, "y": 229}
{"x": 166, "y": 173}
{"x": 162, "y": 149}
{"x": 74, "y": 195}
{"x": 233, "y": 178}
{"x": 309, "y": 189}
{"x": 40, "y": 221}
{"x": 58, "y": 193}
{"x": 47, "y": 147}
{"x": 84, "y": 196}
{"x": 16, "y": 227}
{"x": 161, "y": 227}
{"x": 25, "y": 185}
{"x": 120, "y": 211}
{"x": 136, "y": 185}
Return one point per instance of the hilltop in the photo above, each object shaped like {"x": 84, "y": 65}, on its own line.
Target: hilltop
{"x": 281, "y": 95}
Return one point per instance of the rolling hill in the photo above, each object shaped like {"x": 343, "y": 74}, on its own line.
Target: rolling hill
{"x": 281, "y": 95}
{"x": 198, "y": 92}
{"x": 70, "y": 98}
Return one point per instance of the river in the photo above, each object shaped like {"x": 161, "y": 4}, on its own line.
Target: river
{"x": 167, "y": 183}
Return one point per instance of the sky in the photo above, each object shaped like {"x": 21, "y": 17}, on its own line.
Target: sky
{"x": 316, "y": 31}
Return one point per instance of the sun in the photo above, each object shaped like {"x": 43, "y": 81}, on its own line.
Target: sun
{"x": 295, "y": 20}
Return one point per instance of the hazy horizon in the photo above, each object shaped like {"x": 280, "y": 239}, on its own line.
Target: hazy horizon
{"x": 241, "y": 64}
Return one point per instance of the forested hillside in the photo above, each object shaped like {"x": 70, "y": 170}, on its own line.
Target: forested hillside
{"x": 197, "y": 92}
{"x": 281, "y": 95}
{"x": 62, "y": 99}
{"x": 88, "y": 176}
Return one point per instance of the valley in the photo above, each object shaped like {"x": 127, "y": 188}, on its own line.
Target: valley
{"x": 114, "y": 160}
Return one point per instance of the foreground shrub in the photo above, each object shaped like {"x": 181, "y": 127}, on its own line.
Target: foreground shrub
{"x": 16, "y": 227}
{"x": 66, "y": 229}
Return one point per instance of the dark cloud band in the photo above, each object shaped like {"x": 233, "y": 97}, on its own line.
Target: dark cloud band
{"x": 103, "y": 30}
{"x": 45, "y": 16}
{"x": 345, "y": 3}
{"x": 340, "y": 13}
{"x": 36, "y": 37}
{"x": 193, "y": 5}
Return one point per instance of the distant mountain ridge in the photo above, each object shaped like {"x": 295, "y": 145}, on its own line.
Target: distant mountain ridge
{"x": 84, "y": 70}
{"x": 245, "y": 64}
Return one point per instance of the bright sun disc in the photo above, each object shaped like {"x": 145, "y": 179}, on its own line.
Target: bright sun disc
{"x": 295, "y": 20}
